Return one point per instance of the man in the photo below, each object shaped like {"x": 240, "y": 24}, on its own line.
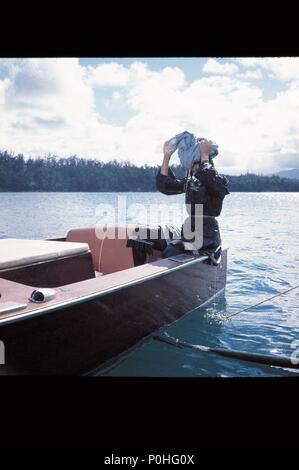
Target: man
{"x": 203, "y": 186}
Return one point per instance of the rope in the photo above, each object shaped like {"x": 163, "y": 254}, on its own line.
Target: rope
{"x": 232, "y": 353}
{"x": 262, "y": 302}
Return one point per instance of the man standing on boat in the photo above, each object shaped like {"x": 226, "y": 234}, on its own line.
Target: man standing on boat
{"x": 202, "y": 185}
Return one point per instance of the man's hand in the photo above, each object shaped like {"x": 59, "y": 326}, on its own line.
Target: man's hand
{"x": 167, "y": 150}
{"x": 205, "y": 147}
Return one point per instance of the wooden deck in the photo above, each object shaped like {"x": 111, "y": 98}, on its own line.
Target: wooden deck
{"x": 93, "y": 321}
{"x": 13, "y": 291}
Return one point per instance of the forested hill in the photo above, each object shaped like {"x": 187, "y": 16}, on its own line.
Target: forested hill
{"x": 78, "y": 174}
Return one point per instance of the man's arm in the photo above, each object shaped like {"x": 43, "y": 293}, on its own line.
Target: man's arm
{"x": 210, "y": 178}
{"x": 207, "y": 174}
{"x": 166, "y": 181}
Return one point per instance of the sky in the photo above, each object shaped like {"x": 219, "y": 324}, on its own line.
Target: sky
{"x": 126, "y": 108}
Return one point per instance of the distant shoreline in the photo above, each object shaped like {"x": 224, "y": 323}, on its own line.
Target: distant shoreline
{"x": 73, "y": 174}
{"x": 150, "y": 192}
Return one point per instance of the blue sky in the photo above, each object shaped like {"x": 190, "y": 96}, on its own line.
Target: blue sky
{"x": 192, "y": 67}
{"x": 125, "y": 108}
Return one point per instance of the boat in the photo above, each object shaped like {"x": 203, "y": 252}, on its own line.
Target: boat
{"x": 70, "y": 305}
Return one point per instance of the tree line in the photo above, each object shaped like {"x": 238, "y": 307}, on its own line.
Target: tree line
{"x": 78, "y": 174}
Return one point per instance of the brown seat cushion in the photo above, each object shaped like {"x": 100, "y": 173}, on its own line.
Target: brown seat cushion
{"x": 109, "y": 255}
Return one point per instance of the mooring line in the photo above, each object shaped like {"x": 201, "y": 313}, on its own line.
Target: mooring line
{"x": 262, "y": 302}
{"x": 232, "y": 353}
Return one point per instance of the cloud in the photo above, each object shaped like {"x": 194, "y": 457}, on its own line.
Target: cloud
{"x": 213, "y": 66}
{"x": 3, "y": 86}
{"x": 50, "y": 106}
{"x": 251, "y": 74}
{"x": 109, "y": 74}
{"x": 280, "y": 68}
{"x": 47, "y": 91}
{"x": 53, "y": 86}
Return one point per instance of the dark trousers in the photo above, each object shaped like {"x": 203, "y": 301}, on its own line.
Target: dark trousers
{"x": 211, "y": 239}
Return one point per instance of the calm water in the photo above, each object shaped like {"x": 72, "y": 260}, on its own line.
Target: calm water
{"x": 262, "y": 233}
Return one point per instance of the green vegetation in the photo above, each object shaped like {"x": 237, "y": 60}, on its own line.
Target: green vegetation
{"x": 78, "y": 174}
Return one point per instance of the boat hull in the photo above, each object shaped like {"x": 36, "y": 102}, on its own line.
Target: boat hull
{"x": 78, "y": 338}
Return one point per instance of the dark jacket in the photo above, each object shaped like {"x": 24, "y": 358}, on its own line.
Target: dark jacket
{"x": 207, "y": 188}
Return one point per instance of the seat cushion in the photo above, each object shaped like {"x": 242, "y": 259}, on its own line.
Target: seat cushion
{"x": 87, "y": 235}
{"x": 109, "y": 255}
{"x": 16, "y": 252}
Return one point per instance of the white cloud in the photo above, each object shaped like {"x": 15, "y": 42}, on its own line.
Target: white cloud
{"x": 49, "y": 106}
{"x": 249, "y": 61}
{"x": 108, "y": 74}
{"x": 213, "y": 66}
{"x": 280, "y": 68}
{"x": 3, "y": 87}
{"x": 251, "y": 74}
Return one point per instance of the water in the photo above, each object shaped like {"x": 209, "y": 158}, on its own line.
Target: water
{"x": 262, "y": 233}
